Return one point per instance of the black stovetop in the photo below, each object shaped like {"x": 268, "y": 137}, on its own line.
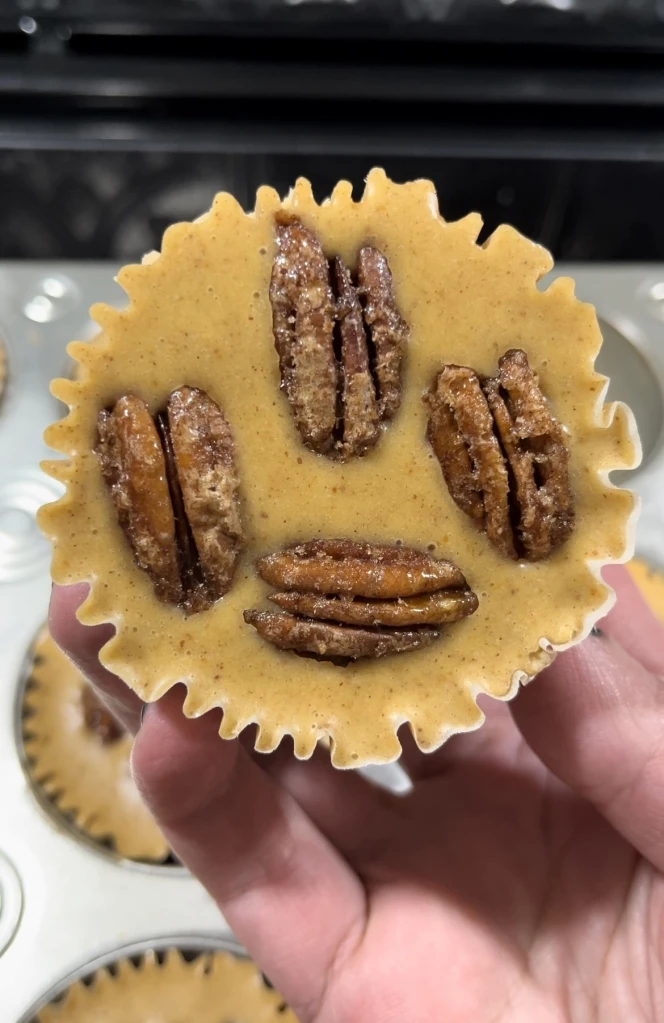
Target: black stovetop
{"x": 116, "y": 119}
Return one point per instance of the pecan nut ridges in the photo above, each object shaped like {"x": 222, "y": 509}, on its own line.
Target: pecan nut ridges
{"x": 504, "y": 456}
{"x": 303, "y": 310}
{"x": 340, "y": 386}
{"x": 344, "y": 599}
{"x": 175, "y": 489}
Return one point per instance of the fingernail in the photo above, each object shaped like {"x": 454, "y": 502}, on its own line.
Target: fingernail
{"x": 596, "y": 631}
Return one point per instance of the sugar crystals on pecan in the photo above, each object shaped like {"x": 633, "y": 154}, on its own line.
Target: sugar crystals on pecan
{"x": 344, "y": 599}
{"x": 503, "y": 455}
{"x": 134, "y": 468}
{"x": 340, "y": 343}
{"x": 461, "y": 434}
{"x": 303, "y": 312}
{"x": 537, "y": 453}
{"x": 175, "y": 489}
{"x": 382, "y": 571}
{"x": 358, "y": 410}
{"x": 329, "y": 641}
{"x": 208, "y": 480}
{"x": 388, "y": 330}
{"x": 439, "y": 608}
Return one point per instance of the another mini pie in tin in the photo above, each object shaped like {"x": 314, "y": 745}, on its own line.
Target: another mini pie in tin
{"x": 393, "y": 427}
{"x": 213, "y": 987}
{"x": 79, "y": 756}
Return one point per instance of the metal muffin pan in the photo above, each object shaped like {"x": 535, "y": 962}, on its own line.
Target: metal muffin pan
{"x": 187, "y": 944}
{"x": 62, "y": 904}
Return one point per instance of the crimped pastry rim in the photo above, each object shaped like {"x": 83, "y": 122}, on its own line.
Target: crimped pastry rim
{"x": 606, "y": 418}
{"x": 181, "y": 944}
{"x": 65, "y": 820}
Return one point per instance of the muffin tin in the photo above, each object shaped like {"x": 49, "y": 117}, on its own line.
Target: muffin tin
{"x": 135, "y": 954}
{"x": 63, "y": 902}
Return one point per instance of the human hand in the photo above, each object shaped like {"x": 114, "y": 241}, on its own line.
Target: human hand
{"x": 519, "y": 880}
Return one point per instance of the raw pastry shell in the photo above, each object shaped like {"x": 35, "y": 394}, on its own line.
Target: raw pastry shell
{"x": 198, "y": 313}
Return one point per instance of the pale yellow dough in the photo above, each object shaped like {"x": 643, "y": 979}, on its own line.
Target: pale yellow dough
{"x": 215, "y": 987}
{"x": 199, "y": 314}
{"x": 86, "y": 780}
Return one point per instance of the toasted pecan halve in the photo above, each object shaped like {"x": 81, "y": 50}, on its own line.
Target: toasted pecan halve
{"x": 441, "y": 608}
{"x": 134, "y": 470}
{"x": 341, "y": 342}
{"x": 175, "y": 489}
{"x": 460, "y": 417}
{"x": 205, "y": 465}
{"x": 503, "y": 455}
{"x": 327, "y": 640}
{"x": 360, "y": 415}
{"x": 389, "y": 331}
{"x": 303, "y": 320}
{"x": 360, "y": 569}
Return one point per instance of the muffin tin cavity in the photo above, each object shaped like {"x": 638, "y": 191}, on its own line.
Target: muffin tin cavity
{"x": 77, "y": 762}
{"x": 210, "y": 976}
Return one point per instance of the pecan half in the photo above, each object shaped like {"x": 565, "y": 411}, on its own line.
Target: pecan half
{"x": 503, "y": 456}
{"x": 359, "y": 408}
{"x": 303, "y": 321}
{"x": 205, "y": 467}
{"x": 440, "y": 608}
{"x": 461, "y": 434}
{"x": 344, "y": 599}
{"x": 326, "y": 640}
{"x": 175, "y": 489}
{"x": 360, "y": 569}
{"x": 340, "y": 344}
{"x": 389, "y": 332}
{"x": 98, "y": 719}
{"x": 134, "y": 468}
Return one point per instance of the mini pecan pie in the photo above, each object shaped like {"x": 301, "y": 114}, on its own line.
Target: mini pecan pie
{"x": 268, "y": 511}
{"x": 78, "y": 756}
{"x": 211, "y": 987}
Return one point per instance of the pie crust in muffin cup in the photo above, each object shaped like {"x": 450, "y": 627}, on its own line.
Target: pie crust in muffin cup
{"x": 213, "y": 987}
{"x": 357, "y": 413}
{"x": 78, "y": 757}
